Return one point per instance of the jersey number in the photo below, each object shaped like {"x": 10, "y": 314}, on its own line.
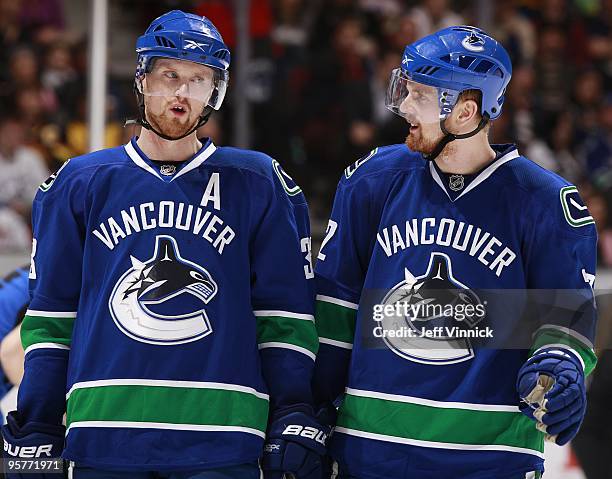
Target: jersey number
{"x": 306, "y": 245}
{"x": 32, "y": 274}
{"x": 332, "y": 226}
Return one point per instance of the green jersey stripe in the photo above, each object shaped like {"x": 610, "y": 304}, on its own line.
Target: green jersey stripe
{"x": 295, "y": 331}
{"x": 335, "y": 322}
{"x": 167, "y": 383}
{"x": 547, "y": 336}
{"x": 440, "y": 424}
{"x": 167, "y": 405}
{"x": 46, "y": 329}
{"x": 567, "y": 331}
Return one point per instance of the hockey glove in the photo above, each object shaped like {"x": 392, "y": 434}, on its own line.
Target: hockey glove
{"x": 295, "y": 444}
{"x": 25, "y": 442}
{"x": 552, "y": 390}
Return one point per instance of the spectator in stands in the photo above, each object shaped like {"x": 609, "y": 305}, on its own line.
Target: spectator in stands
{"x": 24, "y": 68}
{"x": 433, "y": 15}
{"x": 515, "y": 32}
{"x": 588, "y": 96}
{"x": 12, "y": 34}
{"x": 554, "y": 74}
{"x": 554, "y": 151}
{"x": 400, "y": 31}
{"x": 561, "y": 15}
{"x": 596, "y": 149}
{"x": 599, "y": 27}
{"x": 23, "y": 168}
{"x": 519, "y": 106}
{"x": 599, "y": 211}
{"x": 58, "y": 74}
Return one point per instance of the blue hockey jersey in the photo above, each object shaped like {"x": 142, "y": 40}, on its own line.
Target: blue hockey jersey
{"x": 171, "y": 307}
{"x": 424, "y": 395}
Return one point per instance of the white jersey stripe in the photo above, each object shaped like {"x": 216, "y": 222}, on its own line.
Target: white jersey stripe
{"x": 339, "y": 302}
{"x": 51, "y": 314}
{"x": 45, "y": 346}
{"x": 299, "y": 349}
{"x": 163, "y": 425}
{"x": 432, "y": 403}
{"x": 284, "y": 314}
{"x": 436, "y": 445}
{"x": 333, "y": 342}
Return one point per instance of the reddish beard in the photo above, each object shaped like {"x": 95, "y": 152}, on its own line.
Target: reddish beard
{"x": 172, "y": 127}
{"x": 419, "y": 143}
{"x": 169, "y": 124}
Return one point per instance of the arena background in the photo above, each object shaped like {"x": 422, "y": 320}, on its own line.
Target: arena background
{"x": 307, "y": 86}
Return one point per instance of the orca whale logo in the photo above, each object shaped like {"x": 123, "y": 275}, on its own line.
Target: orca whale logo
{"x": 161, "y": 300}
{"x": 429, "y": 299}
{"x": 473, "y": 42}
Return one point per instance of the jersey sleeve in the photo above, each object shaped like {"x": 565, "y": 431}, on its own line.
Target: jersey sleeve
{"x": 561, "y": 274}
{"x": 282, "y": 291}
{"x": 340, "y": 273}
{"x": 55, "y": 282}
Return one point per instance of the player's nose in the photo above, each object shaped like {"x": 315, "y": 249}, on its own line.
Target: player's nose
{"x": 182, "y": 91}
{"x": 406, "y": 107}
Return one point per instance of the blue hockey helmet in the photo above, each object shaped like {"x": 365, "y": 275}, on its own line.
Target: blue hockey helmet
{"x": 453, "y": 60}
{"x": 438, "y": 68}
{"x": 189, "y": 37}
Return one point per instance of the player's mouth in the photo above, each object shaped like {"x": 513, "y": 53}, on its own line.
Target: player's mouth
{"x": 413, "y": 128}
{"x": 179, "y": 110}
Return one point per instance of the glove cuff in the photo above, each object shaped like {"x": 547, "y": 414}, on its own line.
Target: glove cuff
{"x": 557, "y": 352}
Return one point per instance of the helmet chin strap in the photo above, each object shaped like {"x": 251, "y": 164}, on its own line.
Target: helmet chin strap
{"x": 448, "y": 137}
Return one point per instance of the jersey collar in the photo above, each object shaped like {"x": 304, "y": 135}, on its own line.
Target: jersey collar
{"x": 137, "y": 156}
{"x": 505, "y": 153}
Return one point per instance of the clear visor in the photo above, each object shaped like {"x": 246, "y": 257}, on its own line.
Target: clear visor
{"x": 416, "y": 102}
{"x": 182, "y": 79}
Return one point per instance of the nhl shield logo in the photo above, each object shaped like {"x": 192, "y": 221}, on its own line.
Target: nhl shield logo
{"x": 167, "y": 170}
{"x": 161, "y": 300}
{"x": 427, "y": 296}
{"x": 456, "y": 182}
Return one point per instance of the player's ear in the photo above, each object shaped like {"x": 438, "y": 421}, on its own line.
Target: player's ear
{"x": 466, "y": 112}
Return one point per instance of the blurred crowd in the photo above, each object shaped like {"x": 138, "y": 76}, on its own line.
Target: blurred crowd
{"x": 316, "y": 84}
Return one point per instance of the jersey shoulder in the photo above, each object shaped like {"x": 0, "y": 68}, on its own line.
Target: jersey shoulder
{"x": 550, "y": 195}
{"x": 80, "y": 168}
{"x": 256, "y": 165}
{"x": 384, "y": 162}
